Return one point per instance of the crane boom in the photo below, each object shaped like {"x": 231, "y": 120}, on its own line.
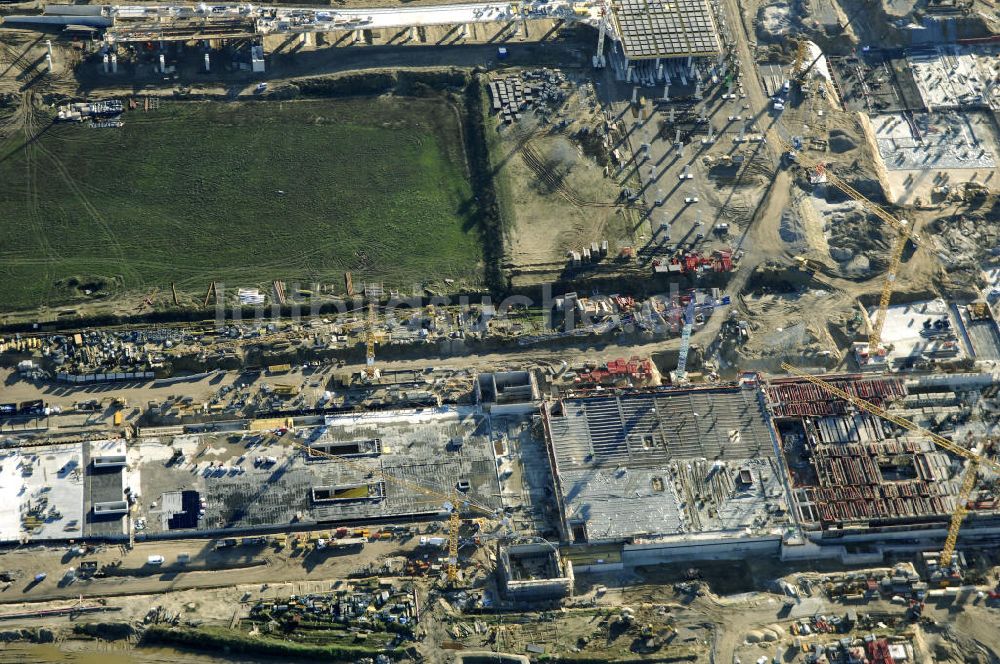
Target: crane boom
{"x": 370, "y": 371}
{"x": 602, "y": 31}
{"x": 877, "y": 210}
{"x": 975, "y": 460}
{"x": 959, "y": 514}
{"x": 869, "y": 407}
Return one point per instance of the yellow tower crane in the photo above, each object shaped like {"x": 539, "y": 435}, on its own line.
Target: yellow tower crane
{"x": 975, "y": 460}
{"x": 372, "y": 293}
{"x": 904, "y": 232}
{"x": 453, "y": 502}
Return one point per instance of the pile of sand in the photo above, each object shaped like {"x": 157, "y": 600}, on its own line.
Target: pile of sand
{"x": 841, "y": 142}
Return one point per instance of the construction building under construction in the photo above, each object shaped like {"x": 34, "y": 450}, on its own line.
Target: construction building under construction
{"x": 683, "y": 28}
{"x": 853, "y": 472}
{"x": 666, "y": 470}
{"x": 352, "y": 469}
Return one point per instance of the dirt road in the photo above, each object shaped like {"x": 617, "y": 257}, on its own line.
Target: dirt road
{"x": 208, "y": 568}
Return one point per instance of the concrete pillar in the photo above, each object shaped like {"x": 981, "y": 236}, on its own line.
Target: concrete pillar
{"x": 48, "y": 47}
{"x": 697, "y": 90}
{"x": 413, "y": 33}
{"x": 114, "y": 63}
{"x": 48, "y": 62}
{"x": 659, "y": 72}
{"x": 666, "y": 93}
{"x": 628, "y": 73}
{"x": 677, "y": 136}
{"x": 635, "y": 94}
{"x": 672, "y": 109}
{"x": 208, "y": 63}
{"x": 163, "y": 64}
{"x": 465, "y": 31}
{"x": 105, "y": 59}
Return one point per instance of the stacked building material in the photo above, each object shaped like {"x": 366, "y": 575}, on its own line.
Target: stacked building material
{"x": 798, "y": 398}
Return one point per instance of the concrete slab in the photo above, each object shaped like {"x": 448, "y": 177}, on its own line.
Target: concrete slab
{"x": 47, "y": 486}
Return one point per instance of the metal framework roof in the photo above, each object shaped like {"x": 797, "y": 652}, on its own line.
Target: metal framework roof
{"x": 665, "y": 28}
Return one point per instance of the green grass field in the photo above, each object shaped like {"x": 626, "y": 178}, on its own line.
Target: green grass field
{"x": 189, "y": 193}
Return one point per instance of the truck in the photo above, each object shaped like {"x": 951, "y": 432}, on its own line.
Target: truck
{"x": 439, "y": 542}
{"x": 346, "y": 543}
{"x": 33, "y": 407}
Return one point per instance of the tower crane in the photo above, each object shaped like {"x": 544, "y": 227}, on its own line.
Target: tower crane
{"x": 680, "y": 375}
{"x": 452, "y": 502}
{"x": 971, "y": 471}
{"x": 599, "y": 60}
{"x": 800, "y": 69}
{"x": 371, "y": 372}
{"x": 904, "y": 232}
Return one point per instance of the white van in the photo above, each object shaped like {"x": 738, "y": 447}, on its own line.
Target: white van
{"x": 155, "y": 560}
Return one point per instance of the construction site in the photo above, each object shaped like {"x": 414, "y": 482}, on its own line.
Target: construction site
{"x": 521, "y": 331}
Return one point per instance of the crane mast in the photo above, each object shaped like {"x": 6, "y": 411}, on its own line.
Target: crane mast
{"x": 599, "y": 60}
{"x": 975, "y": 460}
{"x": 904, "y": 231}
{"x": 372, "y": 293}
{"x": 680, "y": 375}
{"x": 453, "y": 502}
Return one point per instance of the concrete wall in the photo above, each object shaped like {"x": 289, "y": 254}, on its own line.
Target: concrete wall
{"x": 968, "y": 381}
{"x": 535, "y": 589}
{"x": 92, "y": 21}
{"x": 727, "y": 549}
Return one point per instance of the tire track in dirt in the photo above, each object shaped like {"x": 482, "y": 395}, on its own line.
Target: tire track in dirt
{"x": 535, "y": 162}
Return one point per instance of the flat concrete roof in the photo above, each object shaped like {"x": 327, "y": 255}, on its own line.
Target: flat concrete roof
{"x": 42, "y": 493}
{"x": 673, "y": 462}
{"x": 665, "y": 29}
{"x": 418, "y": 448}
